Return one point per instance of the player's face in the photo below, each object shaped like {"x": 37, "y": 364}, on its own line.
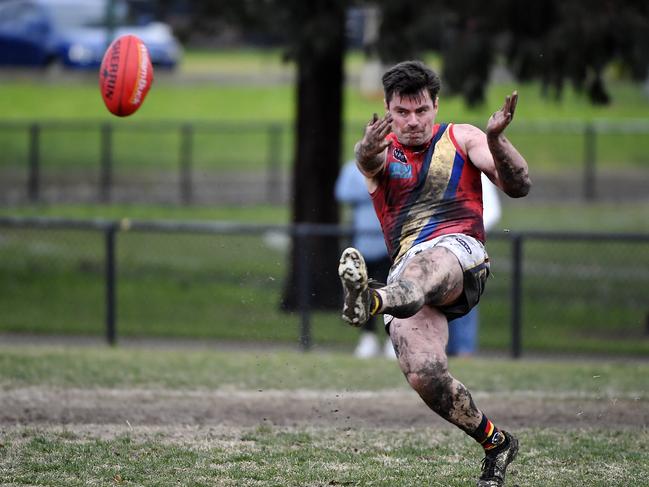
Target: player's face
{"x": 413, "y": 118}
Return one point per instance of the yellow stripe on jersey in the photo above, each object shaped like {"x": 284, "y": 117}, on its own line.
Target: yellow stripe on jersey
{"x": 437, "y": 180}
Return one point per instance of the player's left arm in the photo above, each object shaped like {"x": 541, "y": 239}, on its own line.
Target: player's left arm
{"x": 494, "y": 154}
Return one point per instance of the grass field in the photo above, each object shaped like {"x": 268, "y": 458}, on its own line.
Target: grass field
{"x": 227, "y": 411}
{"x": 32, "y": 98}
{"x": 579, "y": 297}
{"x": 167, "y": 284}
{"x": 178, "y": 98}
{"x": 78, "y": 416}
{"x": 182, "y": 95}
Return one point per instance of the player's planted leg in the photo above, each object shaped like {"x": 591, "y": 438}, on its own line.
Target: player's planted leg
{"x": 495, "y": 462}
{"x": 420, "y": 342}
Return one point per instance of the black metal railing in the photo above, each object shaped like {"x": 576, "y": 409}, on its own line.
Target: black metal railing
{"x": 196, "y": 156}
{"x": 263, "y": 143}
{"x": 546, "y": 275}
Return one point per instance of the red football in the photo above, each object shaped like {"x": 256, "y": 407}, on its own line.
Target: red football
{"x": 125, "y": 75}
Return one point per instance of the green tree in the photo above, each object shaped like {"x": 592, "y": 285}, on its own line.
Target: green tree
{"x": 313, "y": 36}
{"x": 554, "y": 41}
{"x": 317, "y": 44}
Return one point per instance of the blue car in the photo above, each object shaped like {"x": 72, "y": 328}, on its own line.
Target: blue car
{"x": 75, "y": 33}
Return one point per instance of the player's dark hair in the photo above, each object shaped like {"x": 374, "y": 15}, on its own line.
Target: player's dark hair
{"x": 409, "y": 78}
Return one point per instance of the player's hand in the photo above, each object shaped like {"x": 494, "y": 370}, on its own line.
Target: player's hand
{"x": 499, "y": 121}
{"x": 373, "y": 142}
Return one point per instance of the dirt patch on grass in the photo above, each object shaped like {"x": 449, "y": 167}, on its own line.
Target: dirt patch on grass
{"x": 237, "y": 408}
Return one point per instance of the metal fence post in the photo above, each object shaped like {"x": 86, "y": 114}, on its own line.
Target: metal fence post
{"x": 590, "y": 155}
{"x": 517, "y": 294}
{"x": 106, "y": 172}
{"x": 33, "y": 178}
{"x": 304, "y": 285}
{"x": 110, "y": 283}
{"x": 272, "y": 180}
{"x": 185, "y": 166}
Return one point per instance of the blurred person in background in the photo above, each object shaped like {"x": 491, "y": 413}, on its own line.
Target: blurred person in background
{"x": 463, "y": 331}
{"x": 425, "y": 182}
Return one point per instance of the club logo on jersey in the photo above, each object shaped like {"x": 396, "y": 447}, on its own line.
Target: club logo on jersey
{"x": 399, "y": 155}
{"x": 396, "y": 170}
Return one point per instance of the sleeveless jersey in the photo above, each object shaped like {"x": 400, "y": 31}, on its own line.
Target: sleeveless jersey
{"x": 422, "y": 195}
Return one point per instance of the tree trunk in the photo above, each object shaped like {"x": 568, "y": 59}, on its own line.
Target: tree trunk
{"x": 317, "y": 152}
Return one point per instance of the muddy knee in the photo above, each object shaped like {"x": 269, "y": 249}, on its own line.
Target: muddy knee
{"x": 434, "y": 384}
{"x": 405, "y": 298}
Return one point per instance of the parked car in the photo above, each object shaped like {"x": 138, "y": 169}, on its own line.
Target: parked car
{"x": 75, "y": 33}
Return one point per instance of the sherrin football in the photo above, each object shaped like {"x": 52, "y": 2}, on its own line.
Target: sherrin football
{"x": 125, "y": 75}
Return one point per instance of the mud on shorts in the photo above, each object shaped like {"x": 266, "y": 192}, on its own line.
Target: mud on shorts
{"x": 474, "y": 261}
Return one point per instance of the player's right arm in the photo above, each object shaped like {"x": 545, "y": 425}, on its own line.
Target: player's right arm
{"x": 370, "y": 150}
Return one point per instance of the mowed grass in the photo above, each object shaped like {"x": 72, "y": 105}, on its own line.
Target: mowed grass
{"x": 190, "y": 94}
{"x": 75, "y": 454}
{"x": 268, "y": 456}
{"x": 222, "y": 366}
{"x": 33, "y": 99}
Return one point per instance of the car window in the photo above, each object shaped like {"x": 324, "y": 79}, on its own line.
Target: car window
{"x": 19, "y": 13}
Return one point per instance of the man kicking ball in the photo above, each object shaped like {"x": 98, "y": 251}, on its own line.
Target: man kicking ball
{"x": 424, "y": 179}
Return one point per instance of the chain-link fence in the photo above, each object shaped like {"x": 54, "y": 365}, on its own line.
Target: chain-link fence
{"x": 219, "y": 162}
{"x": 224, "y": 281}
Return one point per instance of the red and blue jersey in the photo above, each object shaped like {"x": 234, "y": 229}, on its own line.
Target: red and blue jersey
{"x": 422, "y": 195}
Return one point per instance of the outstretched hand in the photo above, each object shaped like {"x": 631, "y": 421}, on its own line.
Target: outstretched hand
{"x": 499, "y": 121}
{"x": 373, "y": 141}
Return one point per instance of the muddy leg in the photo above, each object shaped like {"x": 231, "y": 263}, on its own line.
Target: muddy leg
{"x": 432, "y": 277}
{"x": 420, "y": 342}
